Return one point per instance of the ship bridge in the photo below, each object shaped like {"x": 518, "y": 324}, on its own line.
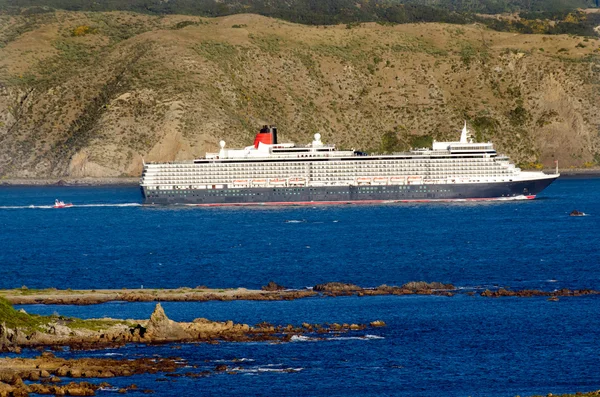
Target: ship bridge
{"x": 465, "y": 145}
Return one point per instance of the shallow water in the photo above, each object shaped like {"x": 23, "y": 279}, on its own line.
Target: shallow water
{"x": 432, "y": 346}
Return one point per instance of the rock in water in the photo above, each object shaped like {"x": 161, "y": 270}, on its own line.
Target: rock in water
{"x": 160, "y": 327}
{"x": 272, "y": 286}
{"x": 336, "y": 287}
{"x": 425, "y": 286}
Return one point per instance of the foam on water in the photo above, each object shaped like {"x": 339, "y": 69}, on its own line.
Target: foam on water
{"x": 366, "y": 337}
{"x": 22, "y": 207}
{"x": 267, "y": 368}
{"x": 301, "y": 338}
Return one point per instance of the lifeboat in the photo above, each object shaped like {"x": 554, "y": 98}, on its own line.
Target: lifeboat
{"x": 240, "y": 182}
{"x": 297, "y": 181}
{"x": 414, "y": 180}
{"x": 363, "y": 181}
{"x": 61, "y": 204}
{"x": 380, "y": 180}
{"x": 397, "y": 180}
{"x": 277, "y": 182}
{"x": 259, "y": 182}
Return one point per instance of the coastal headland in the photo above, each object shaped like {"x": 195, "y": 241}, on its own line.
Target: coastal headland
{"x": 19, "y": 330}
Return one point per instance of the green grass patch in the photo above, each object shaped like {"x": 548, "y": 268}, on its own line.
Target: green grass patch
{"x": 33, "y": 322}
{"x": 269, "y": 43}
{"x": 16, "y": 319}
{"x": 218, "y": 52}
{"x": 92, "y": 325}
{"x": 416, "y": 45}
{"x": 32, "y": 291}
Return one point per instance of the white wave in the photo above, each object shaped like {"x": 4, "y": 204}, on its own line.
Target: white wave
{"x": 369, "y": 336}
{"x": 245, "y": 371}
{"x": 109, "y": 389}
{"x": 113, "y": 354}
{"x": 37, "y": 207}
{"x": 110, "y": 205}
{"x": 295, "y": 221}
{"x": 521, "y": 197}
{"x": 270, "y": 368}
{"x": 366, "y": 337}
{"x": 280, "y": 370}
{"x": 21, "y": 207}
{"x": 301, "y": 338}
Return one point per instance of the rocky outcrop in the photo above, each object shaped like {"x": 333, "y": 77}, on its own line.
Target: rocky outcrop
{"x": 337, "y": 288}
{"x": 158, "y": 329}
{"x": 8, "y": 337}
{"x": 419, "y": 286}
{"x": 161, "y": 328}
{"x": 272, "y": 286}
{"x": 50, "y": 372}
{"x": 414, "y": 287}
{"x": 87, "y": 297}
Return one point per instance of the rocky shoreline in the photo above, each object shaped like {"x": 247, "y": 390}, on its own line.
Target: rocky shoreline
{"x": 45, "y": 374}
{"x": 20, "y": 330}
{"x": 270, "y": 292}
{"x": 91, "y": 297}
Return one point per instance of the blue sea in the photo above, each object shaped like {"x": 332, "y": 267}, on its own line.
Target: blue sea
{"x": 432, "y": 346}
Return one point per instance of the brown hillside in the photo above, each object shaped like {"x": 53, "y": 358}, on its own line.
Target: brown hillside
{"x": 91, "y": 94}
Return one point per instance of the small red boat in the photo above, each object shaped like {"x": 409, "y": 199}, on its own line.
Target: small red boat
{"x": 61, "y": 204}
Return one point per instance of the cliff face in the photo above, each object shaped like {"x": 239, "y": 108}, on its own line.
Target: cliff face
{"x": 92, "y": 94}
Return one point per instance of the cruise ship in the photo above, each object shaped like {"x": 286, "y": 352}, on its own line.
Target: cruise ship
{"x": 269, "y": 172}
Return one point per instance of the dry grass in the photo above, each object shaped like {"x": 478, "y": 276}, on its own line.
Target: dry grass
{"x": 184, "y": 83}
